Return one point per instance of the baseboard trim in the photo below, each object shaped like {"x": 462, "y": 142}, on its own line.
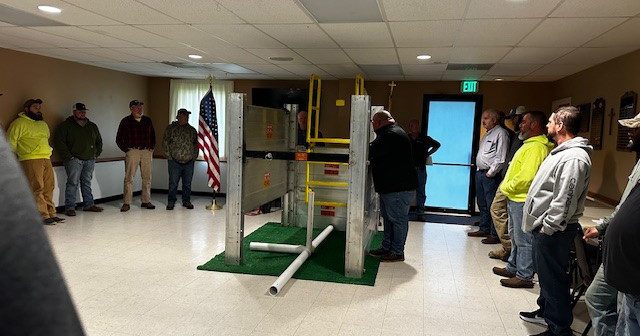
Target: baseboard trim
{"x": 603, "y": 199}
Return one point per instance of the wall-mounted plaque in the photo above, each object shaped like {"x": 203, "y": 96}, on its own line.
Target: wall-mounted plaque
{"x": 628, "y": 103}
{"x": 585, "y": 117}
{"x": 597, "y": 123}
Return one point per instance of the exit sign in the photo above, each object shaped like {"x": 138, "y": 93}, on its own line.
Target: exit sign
{"x": 469, "y": 86}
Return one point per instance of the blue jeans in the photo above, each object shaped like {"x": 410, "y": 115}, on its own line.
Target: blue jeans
{"x": 602, "y": 302}
{"x": 179, "y": 171}
{"x": 521, "y": 257}
{"x": 629, "y": 320}
{"x": 78, "y": 171}
{"x": 421, "y": 197}
{"x": 486, "y": 188}
{"x": 551, "y": 257}
{"x": 394, "y": 208}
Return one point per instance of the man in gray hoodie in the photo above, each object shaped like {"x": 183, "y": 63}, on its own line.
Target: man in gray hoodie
{"x": 554, "y": 204}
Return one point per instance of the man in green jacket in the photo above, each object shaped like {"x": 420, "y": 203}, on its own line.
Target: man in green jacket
{"x": 523, "y": 168}
{"x": 28, "y": 136}
{"x": 78, "y": 143}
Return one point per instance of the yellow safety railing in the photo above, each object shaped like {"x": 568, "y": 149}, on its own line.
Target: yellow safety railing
{"x": 360, "y": 90}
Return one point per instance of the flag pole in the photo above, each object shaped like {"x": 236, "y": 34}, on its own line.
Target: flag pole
{"x": 214, "y": 205}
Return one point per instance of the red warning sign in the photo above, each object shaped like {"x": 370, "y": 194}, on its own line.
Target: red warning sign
{"x": 266, "y": 181}
{"x": 331, "y": 169}
{"x": 328, "y": 211}
{"x": 269, "y": 131}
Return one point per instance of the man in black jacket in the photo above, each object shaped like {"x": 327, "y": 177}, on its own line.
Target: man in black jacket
{"x": 395, "y": 179}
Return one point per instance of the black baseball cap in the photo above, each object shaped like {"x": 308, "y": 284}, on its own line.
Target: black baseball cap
{"x": 184, "y": 111}
{"x": 32, "y": 101}
{"x": 135, "y": 102}
{"x": 80, "y": 107}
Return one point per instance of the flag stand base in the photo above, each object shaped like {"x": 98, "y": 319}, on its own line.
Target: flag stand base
{"x": 214, "y": 206}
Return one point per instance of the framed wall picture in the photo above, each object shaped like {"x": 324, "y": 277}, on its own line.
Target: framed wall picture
{"x": 597, "y": 123}
{"x": 585, "y": 117}
{"x": 628, "y": 104}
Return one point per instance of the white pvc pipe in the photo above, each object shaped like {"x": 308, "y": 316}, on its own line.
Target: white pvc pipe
{"x": 282, "y": 248}
{"x": 288, "y": 273}
{"x": 322, "y": 236}
{"x": 312, "y": 198}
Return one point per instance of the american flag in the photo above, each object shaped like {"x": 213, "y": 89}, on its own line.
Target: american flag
{"x": 208, "y": 139}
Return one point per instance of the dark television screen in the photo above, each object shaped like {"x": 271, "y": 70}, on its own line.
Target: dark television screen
{"x": 277, "y": 98}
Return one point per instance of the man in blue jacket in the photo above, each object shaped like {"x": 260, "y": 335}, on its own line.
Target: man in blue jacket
{"x": 395, "y": 179}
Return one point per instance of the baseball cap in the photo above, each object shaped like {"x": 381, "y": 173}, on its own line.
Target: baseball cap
{"x": 631, "y": 122}
{"x": 516, "y": 111}
{"x": 135, "y": 102}
{"x": 80, "y": 107}
{"x": 184, "y": 111}
{"x": 32, "y": 101}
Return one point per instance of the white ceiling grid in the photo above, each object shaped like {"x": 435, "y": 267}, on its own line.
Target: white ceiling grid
{"x": 528, "y": 40}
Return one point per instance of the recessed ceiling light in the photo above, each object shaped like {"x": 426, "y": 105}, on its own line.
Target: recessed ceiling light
{"x": 498, "y": 79}
{"x": 49, "y": 9}
{"x": 423, "y": 57}
{"x": 281, "y": 59}
{"x": 194, "y": 56}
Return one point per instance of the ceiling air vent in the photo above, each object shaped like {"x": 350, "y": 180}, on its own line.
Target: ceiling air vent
{"x": 461, "y": 66}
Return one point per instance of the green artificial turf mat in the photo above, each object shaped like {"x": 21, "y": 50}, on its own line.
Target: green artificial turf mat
{"x": 325, "y": 264}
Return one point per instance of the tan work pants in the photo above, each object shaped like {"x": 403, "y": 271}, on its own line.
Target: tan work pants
{"x": 501, "y": 219}
{"x": 39, "y": 172}
{"x": 133, "y": 159}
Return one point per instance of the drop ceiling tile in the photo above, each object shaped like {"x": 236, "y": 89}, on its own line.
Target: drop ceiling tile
{"x": 194, "y": 11}
{"x": 305, "y": 36}
{"x": 495, "y": 32}
{"x": 491, "y": 78}
{"x": 593, "y": 56}
{"x": 555, "y": 69}
{"x": 304, "y": 69}
{"x": 384, "y": 78}
{"x": 249, "y": 76}
{"x": 420, "y": 10}
{"x": 373, "y": 56}
{"x": 477, "y": 54}
{"x": 234, "y": 55}
{"x": 438, "y": 55}
{"x": 267, "y": 69}
{"x": 324, "y": 56}
{"x": 345, "y": 70}
{"x": 597, "y": 8}
{"x": 86, "y": 36}
{"x": 134, "y": 35}
{"x": 623, "y": 35}
{"x": 425, "y": 33}
{"x": 112, "y": 54}
{"x": 462, "y": 75}
{"x": 359, "y": 35}
{"x": 43, "y": 37}
{"x": 334, "y": 11}
{"x": 510, "y": 9}
{"x": 266, "y": 53}
{"x": 382, "y": 69}
{"x": 184, "y": 52}
{"x": 540, "y": 78}
{"x": 149, "y": 54}
{"x": 423, "y": 69}
{"x": 243, "y": 35}
{"x": 71, "y": 15}
{"x": 126, "y": 11}
{"x": 424, "y": 78}
{"x": 70, "y": 55}
{"x": 267, "y": 11}
{"x": 568, "y": 32}
{"x": 187, "y": 35}
{"x": 527, "y": 55}
{"x": 504, "y": 70}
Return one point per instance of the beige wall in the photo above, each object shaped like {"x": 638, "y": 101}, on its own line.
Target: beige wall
{"x": 60, "y": 84}
{"x": 610, "y": 81}
{"x": 158, "y": 108}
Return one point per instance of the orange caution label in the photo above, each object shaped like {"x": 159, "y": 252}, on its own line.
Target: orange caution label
{"x": 328, "y": 211}
{"x": 302, "y": 156}
{"x": 266, "y": 181}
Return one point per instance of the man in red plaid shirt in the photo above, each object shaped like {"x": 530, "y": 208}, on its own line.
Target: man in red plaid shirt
{"x": 136, "y": 137}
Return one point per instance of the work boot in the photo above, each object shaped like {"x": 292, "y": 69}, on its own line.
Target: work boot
{"x": 187, "y": 205}
{"x": 93, "y": 208}
{"x": 498, "y": 254}
{"x": 125, "y": 208}
{"x": 516, "y": 282}
{"x": 58, "y": 219}
{"x": 148, "y": 205}
{"x": 478, "y": 233}
{"x": 378, "y": 252}
{"x": 490, "y": 240}
{"x": 170, "y": 206}
{"x": 502, "y": 271}
{"x": 48, "y": 221}
{"x": 70, "y": 213}
{"x": 392, "y": 257}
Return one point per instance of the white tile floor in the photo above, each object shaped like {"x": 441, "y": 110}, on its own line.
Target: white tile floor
{"x": 135, "y": 273}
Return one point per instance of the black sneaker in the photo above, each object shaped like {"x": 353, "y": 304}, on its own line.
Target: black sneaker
{"x": 49, "y": 221}
{"x": 188, "y": 205}
{"x": 378, "y": 252}
{"x": 70, "y": 213}
{"x": 170, "y": 206}
{"x": 392, "y": 257}
{"x": 58, "y": 219}
{"x": 148, "y": 205}
{"x": 533, "y": 317}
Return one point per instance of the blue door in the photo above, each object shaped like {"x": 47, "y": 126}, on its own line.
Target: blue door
{"x": 453, "y": 121}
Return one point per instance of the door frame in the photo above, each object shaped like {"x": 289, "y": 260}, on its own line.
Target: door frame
{"x": 478, "y": 99}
